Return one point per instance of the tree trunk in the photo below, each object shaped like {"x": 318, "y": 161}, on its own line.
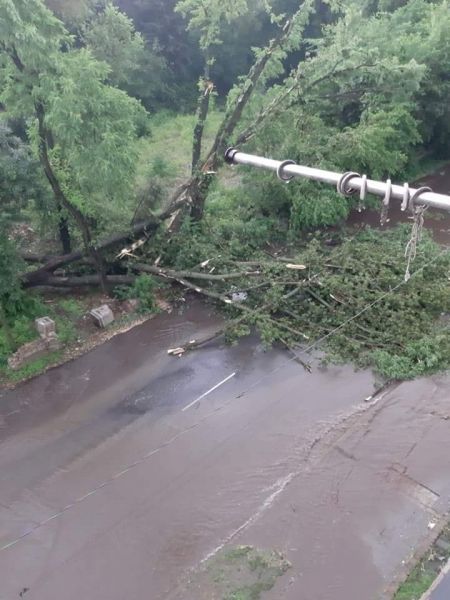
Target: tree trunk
{"x": 60, "y": 197}
{"x": 89, "y": 280}
{"x": 202, "y": 113}
{"x": 216, "y": 277}
{"x": 52, "y": 281}
{"x": 198, "y": 192}
{"x": 52, "y": 263}
{"x": 64, "y": 234}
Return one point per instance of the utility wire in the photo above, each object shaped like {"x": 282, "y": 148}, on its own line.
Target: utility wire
{"x": 120, "y": 474}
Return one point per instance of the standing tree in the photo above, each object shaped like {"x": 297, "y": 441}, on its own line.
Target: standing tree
{"x": 135, "y": 67}
{"x": 83, "y": 129}
{"x": 208, "y": 18}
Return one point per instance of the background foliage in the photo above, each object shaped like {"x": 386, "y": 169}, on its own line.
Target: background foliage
{"x": 97, "y": 104}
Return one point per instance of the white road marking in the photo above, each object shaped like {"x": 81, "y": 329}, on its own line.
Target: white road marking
{"x": 208, "y": 392}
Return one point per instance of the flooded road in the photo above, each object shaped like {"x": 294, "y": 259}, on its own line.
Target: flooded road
{"x": 115, "y": 482}
{"x": 123, "y": 471}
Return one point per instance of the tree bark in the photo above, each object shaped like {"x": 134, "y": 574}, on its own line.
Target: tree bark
{"x": 64, "y": 234}
{"x": 192, "y": 274}
{"x": 60, "y": 197}
{"x": 198, "y": 193}
{"x": 84, "y": 281}
{"x": 202, "y": 113}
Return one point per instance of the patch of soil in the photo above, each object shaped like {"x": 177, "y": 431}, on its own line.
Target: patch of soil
{"x": 240, "y": 573}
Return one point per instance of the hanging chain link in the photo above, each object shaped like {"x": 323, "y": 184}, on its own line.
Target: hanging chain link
{"x": 418, "y": 215}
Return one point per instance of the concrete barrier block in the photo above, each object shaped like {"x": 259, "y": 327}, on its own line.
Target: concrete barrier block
{"x": 45, "y": 327}
{"x": 103, "y": 316}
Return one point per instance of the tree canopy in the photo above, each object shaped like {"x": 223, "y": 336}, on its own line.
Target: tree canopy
{"x": 114, "y": 121}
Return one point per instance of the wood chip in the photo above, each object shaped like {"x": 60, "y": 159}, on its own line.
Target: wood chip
{"x": 176, "y": 351}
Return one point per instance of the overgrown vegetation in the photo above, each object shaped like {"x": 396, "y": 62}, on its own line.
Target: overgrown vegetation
{"x": 142, "y": 290}
{"x": 322, "y": 285}
{"x": 426, "y": 571}
{"x": 102, "y": 155}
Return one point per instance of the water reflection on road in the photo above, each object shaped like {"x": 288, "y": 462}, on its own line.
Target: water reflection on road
{"x": 110, "y": 490}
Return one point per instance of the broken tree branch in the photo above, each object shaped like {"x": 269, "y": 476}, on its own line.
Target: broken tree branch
{"x": 249, "y": 312}
{"x": 85, "y": 281}
{"x": 149, "y": 228}
{"x": 168, "y": 273}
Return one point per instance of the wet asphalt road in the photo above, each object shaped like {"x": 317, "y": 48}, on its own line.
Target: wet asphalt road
{"x": 115, "y": 483}
{"x": 442, "y": 590}
{"x": 109, "y": 489}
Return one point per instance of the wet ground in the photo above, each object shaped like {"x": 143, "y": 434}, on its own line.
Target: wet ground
{"x": 123, "y": 471}
{"x": 442, "y": 592}
{"x": 115, "y": 483}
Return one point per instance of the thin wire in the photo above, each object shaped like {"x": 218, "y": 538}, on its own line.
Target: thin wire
{"x": 147, "y": 456}
{"x": 353, "y": 318}
{"x": 377, "y": 301}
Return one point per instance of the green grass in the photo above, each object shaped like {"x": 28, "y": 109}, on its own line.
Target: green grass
{"x": 243, "y": 573}
{"x": 421, "y": 167}
{"x": 418, "y": 583}
{"x": 166, "y": 153}
{"x": 65, "y": 314}
{"x": 249, "y": 592}
{"x": 71, "y": 307}
{"x": 425, "y": 573}
{"x": 33, "y": 369}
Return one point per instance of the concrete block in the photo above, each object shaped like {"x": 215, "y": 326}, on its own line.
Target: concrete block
{"x": 103, "y": 316}
{"x": 45, "y": 327}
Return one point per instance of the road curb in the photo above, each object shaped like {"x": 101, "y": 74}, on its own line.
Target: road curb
{"x": 445, "y": 571}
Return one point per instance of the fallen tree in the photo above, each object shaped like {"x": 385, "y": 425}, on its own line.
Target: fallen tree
{"x": 87, "y": 281}
{"x": 350, "y": 301}
{"x": 311, "y": 296}
{"x": 51, "y": 264}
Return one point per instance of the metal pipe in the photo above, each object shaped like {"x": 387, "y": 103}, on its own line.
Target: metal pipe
{"x": 379, "y": 188}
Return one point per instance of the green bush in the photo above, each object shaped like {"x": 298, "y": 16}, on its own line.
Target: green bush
{"x": 426, "y": 355}
{"x": 314, "y": 207}
{"x": 21, "y": 331}
{"x": 143, "y": 289}
{"x": 161, "y": 167}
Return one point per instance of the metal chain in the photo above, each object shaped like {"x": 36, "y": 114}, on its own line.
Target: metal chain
{"x": 384, "y": 217}
{"x": 418, "y": 215}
